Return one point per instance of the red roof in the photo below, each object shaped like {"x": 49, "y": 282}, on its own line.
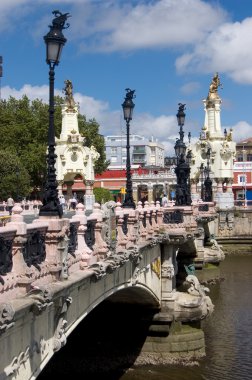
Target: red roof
{"x": 245, "y": 141}
{"x": 119, "y": 173}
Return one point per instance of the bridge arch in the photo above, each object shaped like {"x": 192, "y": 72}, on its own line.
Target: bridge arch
{"x": 111, "y": 334}
{"x": 125, "y": 293}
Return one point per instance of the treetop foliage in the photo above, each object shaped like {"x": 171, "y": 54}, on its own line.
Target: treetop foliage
{"x": 23, "y": 143}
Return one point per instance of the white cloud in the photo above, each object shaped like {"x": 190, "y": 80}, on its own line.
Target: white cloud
{"x": 190, "y": 88}
{"x": 89, "y": 106}
{"x": 241, "y": 130}
{"x": 111, "y": 122}
{"x": 163, "y": 128}
{"x": 115, "y": 25}
{"x": 202, "y": 28}
{"x": 224, "y": 50}
{"x": 33, "y": 92}
{"x": 155, "y": 25}
{"x": 11, "y": 12}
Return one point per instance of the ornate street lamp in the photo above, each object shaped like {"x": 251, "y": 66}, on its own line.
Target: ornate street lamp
{"x": 202, "y": 180}
{"x": 17, "y": 175}
{"x": 55, "y": 41}
{"x": 182, "y": 170}
{"x": 208, "y": 182}
{"x": 128, "y": 107}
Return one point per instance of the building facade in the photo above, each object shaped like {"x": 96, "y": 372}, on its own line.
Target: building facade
{"x": 242, "y": 183}
{"x": 143, "y": 152}
{"x": 148, "y": 184}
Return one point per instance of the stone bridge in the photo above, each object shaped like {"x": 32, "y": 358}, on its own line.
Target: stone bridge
{"x": 54, "y": 272}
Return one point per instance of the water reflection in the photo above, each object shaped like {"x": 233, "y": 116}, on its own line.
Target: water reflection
{"x": 227, "y": 332}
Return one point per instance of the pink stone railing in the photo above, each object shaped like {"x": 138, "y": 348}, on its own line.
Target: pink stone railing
{"x": 49, "y": 250}
{"x": 28, "y": 207}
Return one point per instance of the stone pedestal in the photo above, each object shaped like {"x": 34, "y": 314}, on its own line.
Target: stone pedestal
{"x": 172, "y": 342}
{"x": 224, "y": 201}
{"x": 89, "y": 198}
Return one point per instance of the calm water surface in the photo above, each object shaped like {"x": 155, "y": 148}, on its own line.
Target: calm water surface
{"x": 228, "y": 331}
{"x": 228, "y": 334}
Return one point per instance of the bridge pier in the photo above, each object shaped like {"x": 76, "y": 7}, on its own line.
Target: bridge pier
{"x": 172, "y": 342}
{"x": 168, "y": 273}
{"x": 172, "y": 335}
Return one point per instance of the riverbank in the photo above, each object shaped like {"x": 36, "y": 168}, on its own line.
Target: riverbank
{"x": 235, "y": 244}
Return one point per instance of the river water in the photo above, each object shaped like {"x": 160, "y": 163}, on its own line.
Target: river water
{"x": 228, "y": 335}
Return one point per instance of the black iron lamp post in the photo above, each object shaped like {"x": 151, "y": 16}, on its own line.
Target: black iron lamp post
{"x": 17, "y": 175}
{"x": 182, "y": 170}
{"x": 202, "y": 180}
{"x": 208, "y": 181}
{"x": 55, "y": 41}
{"x": 128, "y": 107}
{"x": 189, "y": 160}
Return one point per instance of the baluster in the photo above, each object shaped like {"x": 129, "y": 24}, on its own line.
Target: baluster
{"x": 83, "y": 250}
{"x": 100, "y": 246}
{"x": 122, "y": 239}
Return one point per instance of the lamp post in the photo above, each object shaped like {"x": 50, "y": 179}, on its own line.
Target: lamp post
{"x": 182, "y": 170}
{"x": 128, "y": 107}
{"x": 206, "y": 182}
{"x": 202, "y": 180}
{"x": 17, "y": 175}
{"x": 55, "y": 41}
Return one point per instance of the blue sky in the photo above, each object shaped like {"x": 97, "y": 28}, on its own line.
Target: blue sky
{"x": 166, "y": 50}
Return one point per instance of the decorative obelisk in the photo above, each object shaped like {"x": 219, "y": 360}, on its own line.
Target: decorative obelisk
{"x": 73, "y": 157}
{"x": 215, "y": 150}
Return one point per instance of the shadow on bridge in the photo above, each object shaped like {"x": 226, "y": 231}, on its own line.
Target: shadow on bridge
{"x": 105, "y": 344}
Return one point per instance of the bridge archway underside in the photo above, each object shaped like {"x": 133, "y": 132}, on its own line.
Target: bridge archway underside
{"x": 51, "y": 313}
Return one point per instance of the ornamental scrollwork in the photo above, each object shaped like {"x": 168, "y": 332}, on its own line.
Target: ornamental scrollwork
{"x": 168, "y": 271}
{"x": 42, "y": 298}
{"x": 6, "y": 317}
{"x": 60, "y": 333}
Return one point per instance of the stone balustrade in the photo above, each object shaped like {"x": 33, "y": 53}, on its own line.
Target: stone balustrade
{"x": 27, "y": 207}
{"x": 50, "y": 250}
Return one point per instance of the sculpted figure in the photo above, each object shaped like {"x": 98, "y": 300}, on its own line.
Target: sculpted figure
{"x": 213, "y": 89}
{"x": 69, "y": 94}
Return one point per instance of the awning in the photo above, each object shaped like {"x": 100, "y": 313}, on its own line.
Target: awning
{"x": 115, "y": 191}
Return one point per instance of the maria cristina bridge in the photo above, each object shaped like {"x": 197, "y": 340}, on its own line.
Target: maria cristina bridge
{"x": 55, "y": 271}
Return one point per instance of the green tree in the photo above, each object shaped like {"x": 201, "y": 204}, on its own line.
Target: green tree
{"x": 14, "y": 178}
{"x": 90, "y": 130}
{"x": 23, "y": 127}
{"x": 24, "y": 130}
{"x": 102, "y": 195}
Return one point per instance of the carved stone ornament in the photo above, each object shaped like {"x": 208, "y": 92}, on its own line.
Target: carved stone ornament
{"x": 226, "y": 152}
{"x": 99, "y": 270}
{"x": 135, "y": 255}
{"x": 168, "y": 271}
{"x": 16, "y": 363}
{"x": 25, "y": 356}
{"x": 60, "y": 336}
{"x": 135, "y": 276}
{"x": 34, "y": 250}
{"x": 6, "y": 317}
{"x": 42, "y": 298}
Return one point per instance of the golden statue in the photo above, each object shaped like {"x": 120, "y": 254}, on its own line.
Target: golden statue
{"x": 213, "y": 88}
{"x": 69, "y": 94}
